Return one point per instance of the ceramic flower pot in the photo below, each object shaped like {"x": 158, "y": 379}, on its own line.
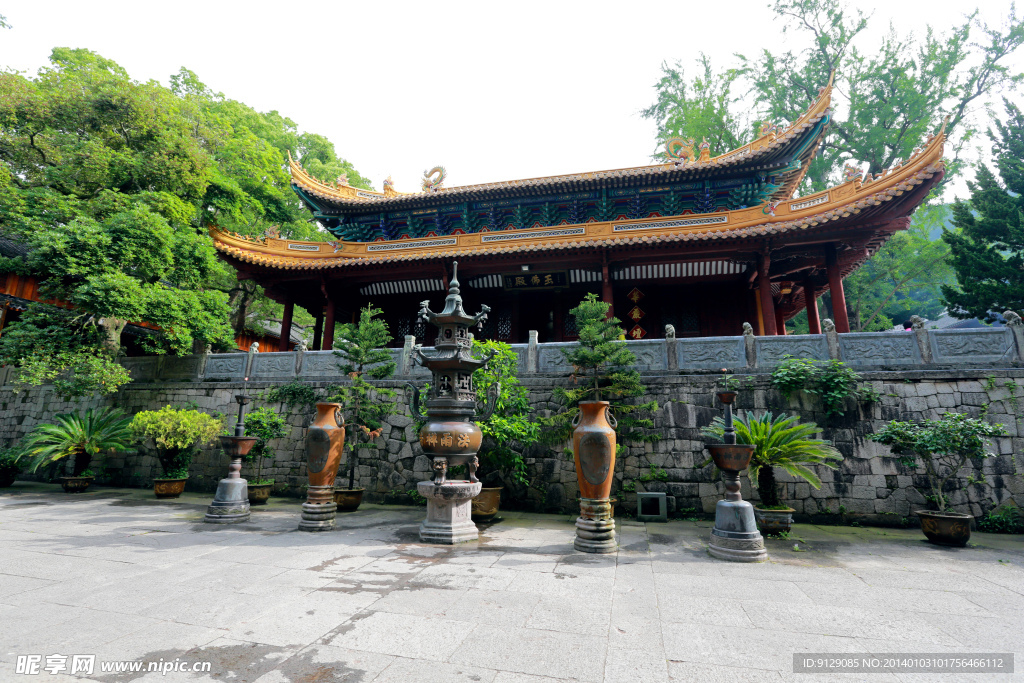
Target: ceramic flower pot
{"x": 259, "y": 493}
{"x": 348, "y": 500}
{"x": 593, "y": 445}
{"x": 75, "y": 484}
{"x": 7, "y": 480}
{"x": 774, "y": 522}
{"x": 485, "y": 505}
{"x": 945, "y": 528}
{"x": 169, "y": 488}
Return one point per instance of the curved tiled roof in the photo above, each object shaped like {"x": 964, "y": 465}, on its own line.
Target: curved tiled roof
{"x": 837, "y": 204}
{"x": 761, "y": 151}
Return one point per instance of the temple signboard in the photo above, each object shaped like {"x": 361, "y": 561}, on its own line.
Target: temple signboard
{"x": 535, "y": 280}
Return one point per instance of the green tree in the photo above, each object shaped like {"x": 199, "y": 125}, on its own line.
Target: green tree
{"x": 362, "y": 348}
{"x": 987, "y": 248}
{"x": 886, "y": 98}
{"x": 176, "y": 433}
{"x": 509, "y": 428}
{"x": 903, "y": 277}
{"x": 265, "y": 425}
{"x": 602, "y": 365}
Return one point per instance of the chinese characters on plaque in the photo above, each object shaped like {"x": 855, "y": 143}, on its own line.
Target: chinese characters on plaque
{"x": 532, "y": 280}
{"x": 635, "y": 315}
{"x": 444, "y": 439}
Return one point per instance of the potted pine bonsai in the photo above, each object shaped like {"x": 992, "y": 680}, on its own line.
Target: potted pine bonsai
{"x": 942, "y": 447}
{"x": 79, "y": 437}
{"x": 362, "y": 348}
{"x": 265, "y": 425}
{"x": 176, "y": 434}
{"x": 784, "y": 442}
{"x": 509, "y": 426}
{"x": 10, "y": 468}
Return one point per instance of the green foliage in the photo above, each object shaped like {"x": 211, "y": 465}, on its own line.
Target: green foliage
{"x": 294, "y": 394}
{"x": 793, "y": 374}
{"x": 10, "y": 464}
{"x": 887, "y": 97}
{"x": 362, "y": 348}
{"x": 654, "y": 474}
{"x": 779, "y": 441}
{"x": 266, "y": 425}
{"x": 177, "y": 433}
{"x": 509, "y": 428}
{"x": 78, "y": 436}
{"x": 602, "y": 371}
{"x": 943, "y": 446}
{"x": 987, "y": 249}
{"x": 831, "y": 380}
{"x": 1008, "y": 519}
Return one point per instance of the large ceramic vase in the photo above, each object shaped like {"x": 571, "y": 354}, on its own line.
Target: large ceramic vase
{"x": 945, "y": 528}
{"x": 325, "y": 443}
{"x": 593, "y": 447}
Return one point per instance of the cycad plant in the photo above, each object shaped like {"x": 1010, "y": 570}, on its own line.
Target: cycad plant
{"x": 779, "y": 441}
{"x": 78, "y": 436}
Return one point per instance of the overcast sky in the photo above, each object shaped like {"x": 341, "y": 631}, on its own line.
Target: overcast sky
{"x": 492, "y": 91}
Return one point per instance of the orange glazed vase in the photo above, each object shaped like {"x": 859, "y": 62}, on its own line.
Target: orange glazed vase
{"x": 325, "y": 443}
{"x": 593, "y": 445}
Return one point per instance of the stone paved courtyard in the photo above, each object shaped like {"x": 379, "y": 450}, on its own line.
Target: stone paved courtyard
{"x": 115, "y": 573}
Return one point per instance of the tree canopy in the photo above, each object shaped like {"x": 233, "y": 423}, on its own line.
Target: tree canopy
{"x": 113, "y": 183}
{"x": 887, "y": 98}
{"x": 987, "y": 250}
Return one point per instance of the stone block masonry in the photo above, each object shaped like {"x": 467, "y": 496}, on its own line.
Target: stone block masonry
{"x": 870, "y": 485}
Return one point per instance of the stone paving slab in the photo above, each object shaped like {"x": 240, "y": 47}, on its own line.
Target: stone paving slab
{"x": 118, "y": 574}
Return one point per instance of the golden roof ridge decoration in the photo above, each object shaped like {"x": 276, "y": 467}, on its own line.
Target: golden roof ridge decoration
{"x": 766, "y": 143}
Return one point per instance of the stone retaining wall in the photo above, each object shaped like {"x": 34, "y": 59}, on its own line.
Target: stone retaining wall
{"x": 870, "y": 484}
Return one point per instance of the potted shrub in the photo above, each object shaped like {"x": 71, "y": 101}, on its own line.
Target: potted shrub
{"x": 80, "y": 437}
{"x": 265, "y": 425}
{"x": 10, "y": 468}
{"x": 778, "y": 441}
{"x": 943, "y": 447}
{"x": 362, "y": 348}
{"x": 507, "y": 428}
{"x": 177, "y": 433}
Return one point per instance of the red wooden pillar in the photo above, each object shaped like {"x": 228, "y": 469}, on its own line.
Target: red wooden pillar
{"x": 328, "y": 344}
{"x": 835, "y": 288}
{"x": 286, "y": 325}
{"x": 764, "y": 287}
{"x": 811, "y": 299}
{"x": 780, "y": 321}
{"x": 606, "y": 288}
{"x": 318, "y": 330}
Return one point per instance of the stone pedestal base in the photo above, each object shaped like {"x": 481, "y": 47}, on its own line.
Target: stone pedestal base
{"x": 319, "y": 510}
{"x": 230, "y": 504}
{"x": 735, "y": 537}
{"x": 449, "y": 512}
{"x": 595, "y": 527}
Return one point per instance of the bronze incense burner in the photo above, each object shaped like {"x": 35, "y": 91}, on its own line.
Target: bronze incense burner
{"x": 450, "y": 435}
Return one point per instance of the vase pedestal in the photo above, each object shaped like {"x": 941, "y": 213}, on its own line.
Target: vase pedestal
{"x": 595, "y": 527}
{"x": 319, "y": 510}
{"x": 231, "y": 502}
{"x": 449, "y": 512}
{"x": 735, "y": 536}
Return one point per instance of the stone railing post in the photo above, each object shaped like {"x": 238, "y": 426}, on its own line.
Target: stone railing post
{"x": 671, "y": 359}
{"x": 921, "y": 335}
{"x": 300, "y": 351}
{"x": 254, "y": 348}
{"x": 533, "y": 354}
{"x": 831, "y": 338}
{"x": 407, "y": 354}
{"x": 749, "y": 347}
{"x": 1016, "y": 325}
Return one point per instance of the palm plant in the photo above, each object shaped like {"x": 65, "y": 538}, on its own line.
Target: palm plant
{"x": 81, "y": 436}
{"x": 779, "y": 441}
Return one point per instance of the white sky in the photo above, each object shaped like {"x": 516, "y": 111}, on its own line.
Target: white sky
{"x": 492, "y": 91}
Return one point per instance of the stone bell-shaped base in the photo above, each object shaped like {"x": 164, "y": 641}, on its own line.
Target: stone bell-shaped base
{"x": 595, "y": 527}
{"x": 735, "y": 536}
{"x": 231, "y": 502}
{"x": 319, "y": 510}
{"x": 449, "y": 512}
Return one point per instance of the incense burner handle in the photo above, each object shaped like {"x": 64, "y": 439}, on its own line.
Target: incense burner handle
{"x": 493, "y": 392}
{"x": 414, "y": 403}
